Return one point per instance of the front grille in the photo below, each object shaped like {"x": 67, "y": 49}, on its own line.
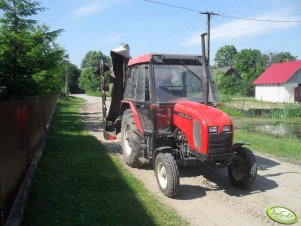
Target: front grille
{"x": 219, "y": 143}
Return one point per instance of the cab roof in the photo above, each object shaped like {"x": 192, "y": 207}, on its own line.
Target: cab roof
{"x": 160, "y": 57}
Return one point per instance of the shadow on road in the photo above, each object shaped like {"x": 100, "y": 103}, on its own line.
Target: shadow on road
{"x": 188, "y": 192}
{"x": 218, "y": 179}
{"x": 264, "y": 163}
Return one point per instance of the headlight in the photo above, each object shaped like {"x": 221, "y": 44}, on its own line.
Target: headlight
{"x": 212, "y": 129}
{"x": 226, "y": 129}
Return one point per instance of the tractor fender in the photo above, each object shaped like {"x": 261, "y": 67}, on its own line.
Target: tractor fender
{"x": 128, "y": 104}
{"x": 163, "y": 149}
{"x": 238, "y": 145}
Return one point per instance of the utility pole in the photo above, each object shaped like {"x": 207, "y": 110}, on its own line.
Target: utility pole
{"x": 209, "y": 14}
{"x": 66, "y": 81}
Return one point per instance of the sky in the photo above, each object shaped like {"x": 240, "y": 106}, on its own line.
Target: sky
{"x": 102, "y": 25}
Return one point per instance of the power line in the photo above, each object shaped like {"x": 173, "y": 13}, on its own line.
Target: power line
{"x": 186, "y": 26}
{"x": 174, "y": 6}
{"x": 225, "y": 16}
{"x": 261, "y": 20}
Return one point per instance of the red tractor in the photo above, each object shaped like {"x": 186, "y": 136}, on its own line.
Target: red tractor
{"x": 164, "y": 107}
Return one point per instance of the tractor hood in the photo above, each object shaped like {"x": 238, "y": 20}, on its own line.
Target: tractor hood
{"x": 120, "y": 57}
{"x": 204, "y": 114}
{"x": 194, "y": 119}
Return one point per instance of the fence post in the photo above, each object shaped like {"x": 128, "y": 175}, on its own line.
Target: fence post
{"x": 22, "y": 132}
{"x": 1, "y": 204}
{"x": 43, "y": 110}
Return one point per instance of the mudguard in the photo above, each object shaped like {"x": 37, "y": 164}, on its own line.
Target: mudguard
{"x": 135, "y": 115}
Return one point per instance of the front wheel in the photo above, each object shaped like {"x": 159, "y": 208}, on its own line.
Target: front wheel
{"x": 167, "y": 174}
{"x": 243, "y": 170}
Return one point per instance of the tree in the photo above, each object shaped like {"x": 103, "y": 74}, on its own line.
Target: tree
{"x": 88, "y": 80}
{"x": 92, "y": 58}
{"x": 30, "y": 60}
{"x": 274, "y": 57}
{"x": 228, "y": 84}
{"x": 248, "y": 64}
{"x": 73, "y": 78}
{"x": 225, "y": 55}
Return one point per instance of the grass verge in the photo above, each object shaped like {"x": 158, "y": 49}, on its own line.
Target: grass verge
{"x": 283, "y": 147}
{"x": 78, "y": 183}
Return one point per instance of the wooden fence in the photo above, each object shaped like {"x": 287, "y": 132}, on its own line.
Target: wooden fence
{"x": 22, "y": 126}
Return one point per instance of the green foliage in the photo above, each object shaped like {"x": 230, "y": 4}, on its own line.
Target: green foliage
{"x": 231, "y": 111}
{"x": 289, "y": 111}
{"x": 228, "y": 84}
{"x": 30, "y": 60}
{"x": 274, "y": 57}
{"x": 248, "y": 63}
{"x": 73, "y": 78}
{"x": 225, "y": 55}
{"x": 92, "y": 58}
{"x": 89, "y": 81}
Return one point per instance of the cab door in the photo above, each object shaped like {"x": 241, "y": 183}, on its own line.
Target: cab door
{"x": 143, "y": 97}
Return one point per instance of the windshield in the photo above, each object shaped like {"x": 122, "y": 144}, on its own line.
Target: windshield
{"x": 179, "y": 82}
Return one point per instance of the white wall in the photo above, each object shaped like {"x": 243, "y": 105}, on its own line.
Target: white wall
{"x": 275, "y": 93}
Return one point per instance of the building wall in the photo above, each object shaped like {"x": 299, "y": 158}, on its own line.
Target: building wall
{"x": 275, "y": 93}
{"x": 278, "y": 93}
{"x": 296, "y": 78}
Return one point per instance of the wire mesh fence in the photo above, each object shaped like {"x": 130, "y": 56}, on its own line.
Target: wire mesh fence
{"x": 22, "y": 126}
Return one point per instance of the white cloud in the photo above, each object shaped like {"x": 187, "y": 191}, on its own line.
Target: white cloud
{"x": 245, "y": 28}
{"x": 94, "y": 8}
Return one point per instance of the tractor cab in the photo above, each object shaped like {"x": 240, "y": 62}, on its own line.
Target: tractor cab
{"x": 154, "y": 83}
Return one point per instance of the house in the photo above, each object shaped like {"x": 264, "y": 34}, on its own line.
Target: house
{"x": 281, "y": 82}
{"x": 227, "y": 70}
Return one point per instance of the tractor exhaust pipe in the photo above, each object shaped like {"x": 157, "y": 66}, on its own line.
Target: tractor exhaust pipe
{"x": 205, "y": 71}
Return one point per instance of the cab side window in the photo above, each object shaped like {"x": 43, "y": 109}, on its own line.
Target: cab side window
{"x": 142, "y": 91}
{"x": 137, "y": 84}
{"x": 130, "y": 84}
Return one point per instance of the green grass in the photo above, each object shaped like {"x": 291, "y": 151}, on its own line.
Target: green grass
{"x": 283, "y": 147}
{"x": 231, "y": 111}
{"x": 94, "y": 93}
{"x": 78, "y": 183}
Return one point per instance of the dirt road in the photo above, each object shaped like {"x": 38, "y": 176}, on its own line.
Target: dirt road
{"x": 206, "y": 196}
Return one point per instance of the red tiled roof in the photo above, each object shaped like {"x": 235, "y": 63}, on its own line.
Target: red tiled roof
{"x": 278, "y": 73}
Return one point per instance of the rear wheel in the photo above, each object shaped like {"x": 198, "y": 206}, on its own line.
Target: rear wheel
{"x": 131, "y": 139}
{"x": 167, "y": 174}
{"x": 243, "y": 169}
